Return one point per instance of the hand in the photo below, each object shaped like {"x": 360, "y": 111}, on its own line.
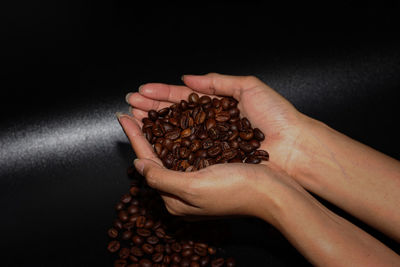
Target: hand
{"x": 264, "y": 107}
{"x": 219, "y": 190}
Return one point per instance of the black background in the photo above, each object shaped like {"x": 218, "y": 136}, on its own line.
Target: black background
{"x": 67, "y": 66}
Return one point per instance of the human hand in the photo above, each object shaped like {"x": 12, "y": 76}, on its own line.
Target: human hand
{"x": 264, "y": 107}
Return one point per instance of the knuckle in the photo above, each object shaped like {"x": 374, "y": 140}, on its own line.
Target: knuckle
{"x": 251, "y": 79}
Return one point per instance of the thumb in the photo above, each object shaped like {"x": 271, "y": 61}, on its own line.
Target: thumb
{"x": 160, "y": 178}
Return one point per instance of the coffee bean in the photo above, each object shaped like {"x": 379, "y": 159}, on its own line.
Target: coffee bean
{"x": 157, "y": 257}
{"x": 230, "y": 262}
{"x": 200, "y": 249}
{"x": 123, "y": 215}
{"x": 141, "y": 220}
{"x": 113, "y": 246}
{"x": 153, "y": 115}
{"x": 247, "y": 134}
{"x": 145, "y": 263}
{"x": 194, "y": 264}
{"x": 120, "y": 263}
{"x": 214, "y": 151}
{"x": 143, "y": 232}
{"x": 176, "y": 247}
{"x": 147, "y": 248}
{"x": 194, "y": 98}
{"x": 185, "y": 262}
{"x": 176, "y": 258}
{"x": 113, "y": 233}
{"x": 204, "y": 100}
{"x": 218, "y": 262}
{"x": 234, "y": 112}
{"x": 163, "y": 112}
{"x": 204, "y": 261}
{"x": 126, "y": 235}
{"x": 254, "y": 143}
{"x": 261, "y": 154}
{"x": 222, "y": 116}
{"x": 225, "y": 103}
{"x": 134, "y": 191}
{"x": 258, "y": 134}
{"x": 187, "y": 252}
{"x": 138, "y": 240}
{"x": 173, "y": 134}
{"x": 152, "y": 240}
{"x": 252, "y": 160}
{"x": 123, "y": 253}
{"x": 246, "y": 147}
{"x": 132, "y": 209}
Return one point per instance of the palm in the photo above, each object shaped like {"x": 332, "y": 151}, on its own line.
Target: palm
{"x": 276, "y": 117}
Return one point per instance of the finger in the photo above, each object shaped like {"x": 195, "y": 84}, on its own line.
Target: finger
{"x": 144, "y": 103}
{"x": 142, "y": 147}
{"x": 138, "y": 113}
{"x": 162, "y": 179}
{"x": 218, "y": 84}
{"x": 165, "y": 92}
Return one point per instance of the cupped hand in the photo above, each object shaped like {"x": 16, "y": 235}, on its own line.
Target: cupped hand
{"x": 263, "y": 106}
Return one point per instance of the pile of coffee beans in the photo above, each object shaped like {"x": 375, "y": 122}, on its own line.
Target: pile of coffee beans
{"x": 201, "y": 132}
{"x": 145, "y": 234}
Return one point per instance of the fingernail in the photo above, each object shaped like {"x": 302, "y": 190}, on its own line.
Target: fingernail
{"x": 127, "y": 97}
{"x": 118, "y": 114}
{"x": 139, "y": 165}
{"x": 140, "y": 88}
{"x": 182, "y": 77}
{"x": 130, "y": 109}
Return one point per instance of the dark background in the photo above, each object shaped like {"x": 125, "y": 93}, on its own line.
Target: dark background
{"x": 67, "y": 66}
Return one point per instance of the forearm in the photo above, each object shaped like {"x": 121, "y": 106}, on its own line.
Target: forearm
{"x": 326, "y": 239}
{"x": 356, "y": 178}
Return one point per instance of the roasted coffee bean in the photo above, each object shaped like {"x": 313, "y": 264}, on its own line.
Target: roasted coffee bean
{"x": 134, "y": 191}
{"x": 159, "y": 248}
{"x": 196, "y": 145}
{"x": 186, "y": 133}
{"x": 176, "y": 247}
{"x": 200, "y": 117}
{"x": 173, "y": 134}
{"x": 230, "y": 262}
{"x": 222, "y": 116}
{"x": 119, "y": 206}
{"x": 138, "y": 240}
{"x": 183, "y": 105}
{"x": 200, "y": 249}
{"x": 210, "y": 123}
{"x": 128, "y": 225}
{"x": 202, "y": 153}
{"x": 245, "y": 123}
{"x": 143, "y": 232}
{"x": 157, "y": 257}
{"x": 152, "y": 240}
{"x": 261, "y": 154}
{"x": 113, "y": 246}
{"x": 211, "y": 250}
{"x": 160, "y": 232}
{"x": 219, "y": 262}
{"x": 148, "y": 134}
{"x": 194, "y": 264}
{"x": 123, "y": 215}
{"x": 234, "y": 112}
{"x": 176, "y": 258}
{"x": 149, "y": 224}
{"x": 147, "y": 248}
{"x": 225, "y": 103}
{"x": 163, "y": 112}
{"x": 188, "y": 252}
{"x": 153, "y": 115}
{"x": 214, "y": 151}
{"x": 133, "y": 209}
{"x": 207, "y": 143}
{"x": 185, "y": 262}
{"x": 113, "y": 233}
{"x": 213, "y": 133}
{"x": 246, "y": 147}
{"x": 117, "y": 224}
{"x": 254, "y": 143}
{"x": 204, "y": 100}
{"x": 204, "y": 261}
{"x": 141, "y": 220}
{"x": 145, "y": 263}
{"x": 124, "y": 253}
{"x": 120, "y": 263}
{"x": 195, "y": 257}
{"x": 252, "y": 160}
{"x": 247, "y": 134}
{"x": 167, "y": 127}
{"x": 229, "y": 154}
{"x": 126, "y": 235}
{"x": 258, "y": 134}
{"x": 194, "y": 98}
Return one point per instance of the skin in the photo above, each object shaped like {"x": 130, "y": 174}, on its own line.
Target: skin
{"x": 305, "y": 154}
